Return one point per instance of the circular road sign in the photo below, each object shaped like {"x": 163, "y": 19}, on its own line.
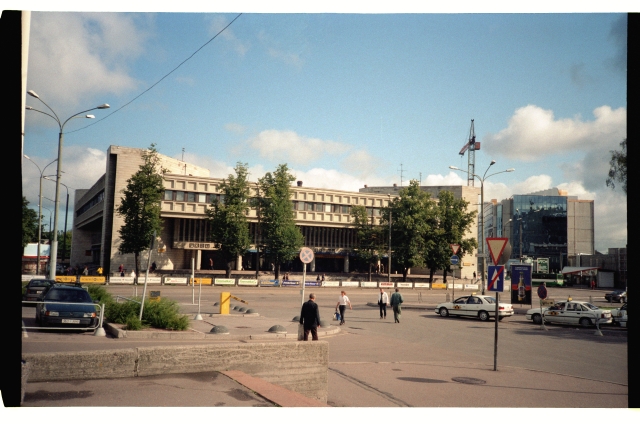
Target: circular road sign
{"x": 542, "y": 292}
{"x": 454, "y": 260}
{"x": 306, "y": 255}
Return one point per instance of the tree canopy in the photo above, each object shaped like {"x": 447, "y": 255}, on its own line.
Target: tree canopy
{"x": 140, "y": 206}
{"x": 281, "y": 237}
{"x": 453, "y": 222}
{"x": 413, "y": 227}
{"x": 29, "y": 224}
{"x": 229, "y": 224}
{"x": 618, "y": 170}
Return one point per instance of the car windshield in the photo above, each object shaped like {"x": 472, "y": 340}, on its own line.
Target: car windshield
{"x": 490, "y": 299}
{"x": 590, "y": 306}
{"x": 461, "y": 300}
{"x": 61, "y": 295}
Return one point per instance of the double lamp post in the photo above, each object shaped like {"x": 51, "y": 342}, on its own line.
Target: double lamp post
{"x": 54, "y": 245}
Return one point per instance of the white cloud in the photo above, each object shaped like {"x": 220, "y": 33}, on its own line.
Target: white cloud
{"x": 610, "y": 220}
{"x": 533, "y": 133}
{"x": 234, "y": 128}
{"x": 277, "y": 53}
{"x": 287, "y": 146}
{"x": 75, "y": 56}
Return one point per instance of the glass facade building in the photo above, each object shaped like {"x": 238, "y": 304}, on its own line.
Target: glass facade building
{"x": 539, "y": 228}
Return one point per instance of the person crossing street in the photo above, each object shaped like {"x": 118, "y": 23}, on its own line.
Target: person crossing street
{"x": 343, "y": 301}
{"x": 396, "y": 300}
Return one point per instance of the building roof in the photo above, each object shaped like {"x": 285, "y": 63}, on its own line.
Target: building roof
{"x": 578, "y": 269}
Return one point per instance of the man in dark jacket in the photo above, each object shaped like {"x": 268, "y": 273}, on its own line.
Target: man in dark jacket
{"x": 310, "y": 318}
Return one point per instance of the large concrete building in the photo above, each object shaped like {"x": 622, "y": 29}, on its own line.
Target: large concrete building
{"x": 323, "y": 216}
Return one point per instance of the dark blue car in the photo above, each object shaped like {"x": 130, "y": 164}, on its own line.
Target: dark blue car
{"x": 67, "y": 306}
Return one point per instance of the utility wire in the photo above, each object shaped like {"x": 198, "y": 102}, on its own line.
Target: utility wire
{"x": 160, "y": 80}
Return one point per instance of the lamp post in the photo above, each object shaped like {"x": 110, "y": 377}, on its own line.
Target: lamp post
{"x": 389, "y": 268}
{"x": 482, "y": 179}
{"x": 54, "y": 246}
{"x": 39, "y": 207}
{"x": 66, "y": 215}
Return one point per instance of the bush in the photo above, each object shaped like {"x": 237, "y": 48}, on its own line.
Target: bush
{"x": 164, "y": 314}
{"x": 133, "y": 323}
{"x": 99, "y": 294}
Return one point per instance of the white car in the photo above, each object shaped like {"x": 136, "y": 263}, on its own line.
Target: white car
{"x": 619, "y": 316}
{"x": 480, "y": 306}
{"x": 571, "y": 312}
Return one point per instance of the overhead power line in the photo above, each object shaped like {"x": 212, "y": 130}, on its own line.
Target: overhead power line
{"x": 160, "y": 80}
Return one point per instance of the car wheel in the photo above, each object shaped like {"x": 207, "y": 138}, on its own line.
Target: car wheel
{"x": 443, "y": 312}
{"x": 483, "y": 315}
{"x": 500, "y": 318}
{"x": 537, "y": 319}
{"x": 585, "y": 322}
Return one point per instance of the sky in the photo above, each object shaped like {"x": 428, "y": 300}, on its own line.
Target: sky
{"x": 347, "y": 98}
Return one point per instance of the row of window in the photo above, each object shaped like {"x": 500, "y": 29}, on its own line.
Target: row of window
{"x": 208, "y": 198}
{"x": 91, "y": 203}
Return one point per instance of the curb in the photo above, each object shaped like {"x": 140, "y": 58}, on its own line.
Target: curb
{"x": 192, "y": 334}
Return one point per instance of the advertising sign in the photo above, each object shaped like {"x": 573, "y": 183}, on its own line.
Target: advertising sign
{"x": 386, "y": 284}
{"x": 438, "y": 286}
{"x": 120, "y": 280}
{"x": 175, "y": 280}
{"x": 290, "y": 283}
{"x": 350, "y": 284}
{"x": 203, "y": 281}
{"x": 312, "y": 283}
{"x": 269, "y": 283}
{"x": 521, "y": 284}
{"x": 331, "y": 284}
{"x": 97, "y": 280}
{"x": 404, "y": 285}
{"x": 222, "y": 281}
{"x": 247, "y": 282}
{"x": 543, "y": 265}
{"x": 369, "y": 284}
{"x": 421, "y": 285}
{"x": 471, "y": 286}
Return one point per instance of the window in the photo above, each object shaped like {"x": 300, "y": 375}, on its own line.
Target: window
{"x": 300, "y": 206}
{"x": 335, "y": 208}
{"x": 191, "y": 197}
{"x": 202, "y": 198}
{"x": 179, "y": 196}
{"x": 345, "y": 208}
{"x": 168, "y": 195}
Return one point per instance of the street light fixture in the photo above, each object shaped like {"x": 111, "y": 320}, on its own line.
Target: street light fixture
{"x": 482, "y": 179}
{"x": 39, "y": 208}
{"x": 54, "y": 246}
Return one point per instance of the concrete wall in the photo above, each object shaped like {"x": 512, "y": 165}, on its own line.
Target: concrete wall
{"x": 298, "y": 366}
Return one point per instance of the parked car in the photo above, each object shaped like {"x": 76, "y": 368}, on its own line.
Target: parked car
{"x": 571, "y": 312}
{"x": 480, "y": 306}
{"x": 65, "y": 305}
{"x": 616, "y": 296}
{"x": 36, "y": 289}
{"x": 619, "y": 316}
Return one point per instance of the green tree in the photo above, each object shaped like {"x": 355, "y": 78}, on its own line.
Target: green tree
{"x": 29, "y": 224}
{"x": 413, "y": 227}
{"x": 370, "y": 241}
{"x": 618, "y": 170}
{"x": 281, "y": 237}
{"x": 140, "y": 206}
{"x": 229, "y": 224}
{"x": 453, "y": 223}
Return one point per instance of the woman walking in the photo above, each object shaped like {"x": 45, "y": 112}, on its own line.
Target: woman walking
{"x": 343, "y": 301}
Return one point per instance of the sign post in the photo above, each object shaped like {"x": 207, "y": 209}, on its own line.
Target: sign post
{"x": 496, "y": 247}
{"x": 542, "y": 294}
{"x": 306, "y": 256}
{"x": 454, "y": 264}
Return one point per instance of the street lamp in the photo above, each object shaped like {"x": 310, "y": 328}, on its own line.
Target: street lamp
{"x": 54, "y": 246}
{"x": 389, "y": 256}
{"x": 39, "y": 207}
{"x": 482, "y": 179}
{"x": 66, "y": 214}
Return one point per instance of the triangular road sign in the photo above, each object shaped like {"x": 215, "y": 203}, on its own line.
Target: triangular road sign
{"x": 496, "y": 246}
{"x": 455, "y": 248}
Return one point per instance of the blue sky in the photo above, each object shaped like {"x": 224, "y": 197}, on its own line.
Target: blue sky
{"x": 345, "y": 99}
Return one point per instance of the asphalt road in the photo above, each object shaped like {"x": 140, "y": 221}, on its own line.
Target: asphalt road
{"x": 374, "y": 362}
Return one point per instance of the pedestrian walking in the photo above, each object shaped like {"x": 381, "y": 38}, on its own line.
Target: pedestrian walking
{"x": 383, "y": 302}
{"x": 121, "y": 270}
{"x": 210, "y": 263}
{"x": 396, "y": 301}
{"x": 310, "y": 318}
{"x": 85, "y": 271}
{"x": 343, "y": 301}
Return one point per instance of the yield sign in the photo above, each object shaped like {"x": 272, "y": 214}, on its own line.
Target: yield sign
{"x": 455, "y": 248}
{"x": 496, "y": 247}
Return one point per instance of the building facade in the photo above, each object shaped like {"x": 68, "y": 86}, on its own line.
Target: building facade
{"x": 323, "y": 216}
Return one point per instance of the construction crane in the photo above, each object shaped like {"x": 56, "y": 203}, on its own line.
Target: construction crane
{"x": 471, "y": 146}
